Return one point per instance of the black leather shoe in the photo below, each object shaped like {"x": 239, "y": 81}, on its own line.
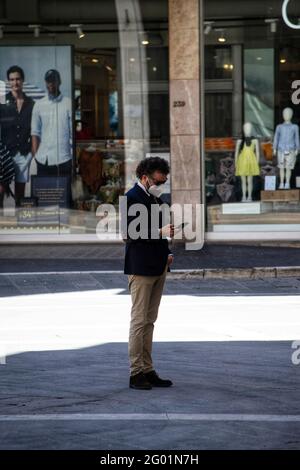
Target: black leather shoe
{"x": 139, "y": 382}
{"x": 156, "y": 381}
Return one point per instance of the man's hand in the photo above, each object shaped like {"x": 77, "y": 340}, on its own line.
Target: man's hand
{"x": 167, "y": 231}
{"x": 35, "y": 143}
{"x": 170, "y": 259}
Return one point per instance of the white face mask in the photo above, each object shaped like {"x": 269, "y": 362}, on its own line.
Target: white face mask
{"x": 156, "y": 191}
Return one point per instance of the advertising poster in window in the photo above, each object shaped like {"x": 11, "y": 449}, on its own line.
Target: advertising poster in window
{"x": 36, "y": 125}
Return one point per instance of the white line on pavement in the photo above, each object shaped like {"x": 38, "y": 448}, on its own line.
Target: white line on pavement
{"x": 151, "y": 417}
{"x": 282, "y": 270}
{"x": 116, "y": 271}
{"x": 38, "y": 273}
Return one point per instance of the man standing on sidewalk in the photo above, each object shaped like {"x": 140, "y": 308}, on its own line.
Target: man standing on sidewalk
{"x": 147, "y": 260}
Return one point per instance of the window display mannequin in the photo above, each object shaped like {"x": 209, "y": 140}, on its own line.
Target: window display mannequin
{"x": 246, "y": 161}
{"x": 286, "y": 146}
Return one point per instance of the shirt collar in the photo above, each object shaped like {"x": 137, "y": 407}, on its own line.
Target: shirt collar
{"x": 11, "y": 99}
{"x": 55, "y": 99}
{"x": 143, "y": 188}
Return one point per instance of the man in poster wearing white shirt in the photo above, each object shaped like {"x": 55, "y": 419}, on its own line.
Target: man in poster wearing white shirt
{"x": 51, "y": 130}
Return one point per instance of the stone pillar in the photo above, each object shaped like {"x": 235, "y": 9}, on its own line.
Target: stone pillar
{"x": 184, "y": 67}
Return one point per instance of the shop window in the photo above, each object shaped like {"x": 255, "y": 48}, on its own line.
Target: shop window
{"x": 87, "y": 134}
{"x": 218, "y": 63}
{"x": 252, "y": 161}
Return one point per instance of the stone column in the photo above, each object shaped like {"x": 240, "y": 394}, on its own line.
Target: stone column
{"x": 184, "y": 67}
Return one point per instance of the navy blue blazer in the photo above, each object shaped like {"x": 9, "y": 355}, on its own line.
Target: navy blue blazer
{"x": 144, "y": 257}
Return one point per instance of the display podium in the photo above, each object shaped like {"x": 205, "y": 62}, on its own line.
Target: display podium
{"x": 256, "y": 207}
{"x": 278, "y": 210}
{"x": 281, "y": 195}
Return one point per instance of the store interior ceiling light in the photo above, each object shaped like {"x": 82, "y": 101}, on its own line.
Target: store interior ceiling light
{"x": 36, "y": 29}
{"x": 221, "y": 35}
{"x": 80, "y": 33}
{"x": 273, "y": 24}
{"x": 79, "y": 30}
{"x": 208, "y": 27}
{"x": 144, "y": 38}
{"x": 273, "y": 27}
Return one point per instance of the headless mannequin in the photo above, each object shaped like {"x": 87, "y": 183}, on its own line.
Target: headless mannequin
{"x": 285, "y": 167}
{"x": 247, "y": 180}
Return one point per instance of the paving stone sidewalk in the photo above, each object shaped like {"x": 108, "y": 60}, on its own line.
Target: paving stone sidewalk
{"x": 215, "y": 259}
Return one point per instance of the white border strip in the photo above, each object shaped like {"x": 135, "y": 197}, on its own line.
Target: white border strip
{"x": 55, "y": 273}
{"x": 200, "y": 271}
{"x": 91, "y": 239}
{"x": 42, "y": 238}
{"x": 151, "y": 417}
{"x": 252, "y": 236}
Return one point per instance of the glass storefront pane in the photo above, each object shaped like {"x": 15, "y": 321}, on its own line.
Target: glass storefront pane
{"x": 96, "y": 78}
{"x": 218, "y": 114}
{"x": 252, "y": 161}
{"x": 259, "y": 90}
{"x": 218, "y": 62}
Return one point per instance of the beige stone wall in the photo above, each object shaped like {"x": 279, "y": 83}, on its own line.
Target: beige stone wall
{"x": 184, "y": 33}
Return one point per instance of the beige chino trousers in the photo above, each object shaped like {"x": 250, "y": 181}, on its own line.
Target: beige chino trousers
{"x": 146, "y": 292}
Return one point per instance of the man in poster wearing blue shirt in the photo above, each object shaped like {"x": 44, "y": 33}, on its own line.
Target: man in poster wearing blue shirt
{"x": 51, "y": 130}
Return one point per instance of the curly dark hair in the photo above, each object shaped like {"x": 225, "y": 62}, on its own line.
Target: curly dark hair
{"x": 149, "y": 165}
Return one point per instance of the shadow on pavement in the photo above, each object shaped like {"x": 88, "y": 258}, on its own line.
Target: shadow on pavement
{"x": 255, "y": 377}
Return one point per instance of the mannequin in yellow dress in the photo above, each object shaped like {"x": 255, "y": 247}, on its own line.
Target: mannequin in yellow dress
{"x": 246, "y": 161}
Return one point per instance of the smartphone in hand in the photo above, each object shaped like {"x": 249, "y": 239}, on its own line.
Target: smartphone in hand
{"x": 181, "y": 226}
